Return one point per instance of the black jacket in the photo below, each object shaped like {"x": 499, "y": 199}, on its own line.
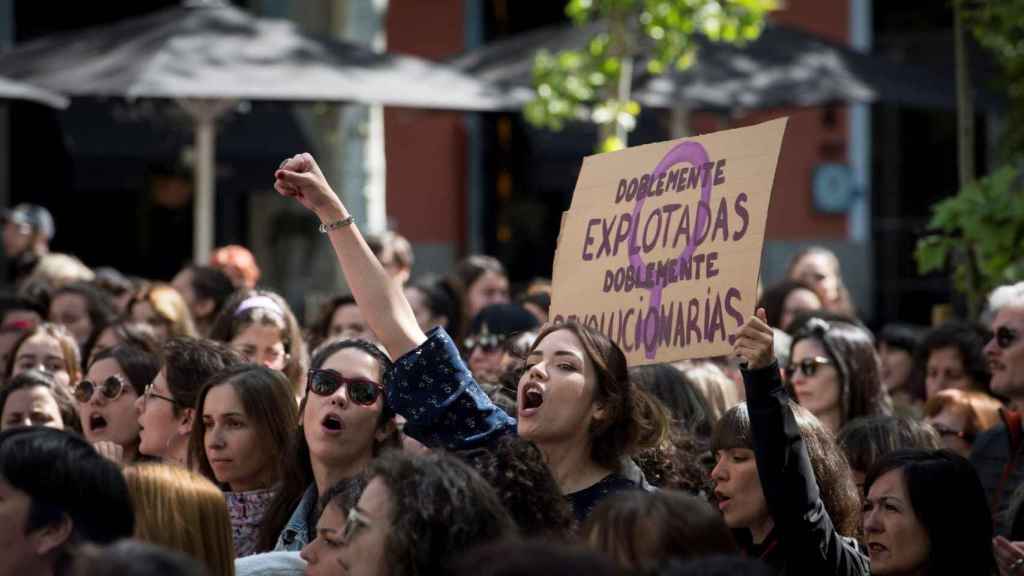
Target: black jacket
{"x": 998, "y": 459}
{"x": 804, "y": 542}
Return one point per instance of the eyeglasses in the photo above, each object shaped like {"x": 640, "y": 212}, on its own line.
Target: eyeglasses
{"x": 944, "y": 430}
{"x": 486, "y": 342}
{"x": 111, "y": 389}
{"x": 1005, "y": 337}
{"x": 150, "y": 394}
{"x": 353, "y": 524}
{"x": 808, "y": 366}
{"x": 361, "y": 391}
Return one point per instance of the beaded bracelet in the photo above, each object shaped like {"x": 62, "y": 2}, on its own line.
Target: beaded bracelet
{"x": 325, "y": 228}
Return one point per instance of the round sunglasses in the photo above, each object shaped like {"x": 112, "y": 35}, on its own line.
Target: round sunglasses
{"x": 111, "y": 389}
{"x": 1005, "y": 337}
{"x": 361, "y": 391}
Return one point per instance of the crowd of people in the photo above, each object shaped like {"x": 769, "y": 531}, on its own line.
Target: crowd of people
{"x": 441, "y": 425}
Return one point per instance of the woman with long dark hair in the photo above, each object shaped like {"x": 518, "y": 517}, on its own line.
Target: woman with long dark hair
{"x": 925, "y": 512}
{"x": 343, "y": 424}
{"x": 834, "y": 372}
{"x": 244, "y": 417}
{"x": 780, "y": 481}
{"x": 575, "y": 399}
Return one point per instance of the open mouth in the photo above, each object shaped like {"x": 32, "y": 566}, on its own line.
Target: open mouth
{"x": 722, "y": 499}
{"x": 97, "y": 423}
{"x": 876, "y": 548}
{"x": 333, "y": 423}
{"x": 533, "y": 396}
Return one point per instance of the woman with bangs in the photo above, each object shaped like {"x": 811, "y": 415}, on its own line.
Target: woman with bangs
{"x": 48, "y": 348}
{"x": 116, "y": 379}
{"x": 261, "y": 327}
{"x": 575, "y": 399}
{"x": 245, "y": 416}
{"x": 781, "y": 483}
{"x": 343, "y": 424}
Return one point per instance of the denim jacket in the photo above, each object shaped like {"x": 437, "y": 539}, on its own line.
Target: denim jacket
{"x": 295, "y": 535}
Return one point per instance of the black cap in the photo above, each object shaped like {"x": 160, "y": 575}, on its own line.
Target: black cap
{"x": 34, "y": 216}
{"x": 503, "y": 320}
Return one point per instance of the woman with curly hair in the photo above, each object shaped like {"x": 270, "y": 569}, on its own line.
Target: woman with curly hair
{"x": 515, "y": 468}
{"x": 416, "y": 515}
{"x": 780, "y": 481}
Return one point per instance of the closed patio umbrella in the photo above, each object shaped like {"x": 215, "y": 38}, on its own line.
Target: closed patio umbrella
{"x": 209, "y": 55}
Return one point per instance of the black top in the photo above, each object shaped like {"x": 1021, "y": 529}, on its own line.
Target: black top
{"x": 804, "y": 541}
{"x": 584, "y": 501}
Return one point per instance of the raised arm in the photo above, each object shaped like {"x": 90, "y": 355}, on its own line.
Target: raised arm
{"x": 381, "y": 299}
{"x": 807, "y": 535}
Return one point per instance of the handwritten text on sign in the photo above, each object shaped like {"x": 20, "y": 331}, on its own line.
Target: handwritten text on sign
{"x": 665, "y": 260}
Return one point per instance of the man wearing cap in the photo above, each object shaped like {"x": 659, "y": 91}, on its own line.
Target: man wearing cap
{"x": 28, "y": 229}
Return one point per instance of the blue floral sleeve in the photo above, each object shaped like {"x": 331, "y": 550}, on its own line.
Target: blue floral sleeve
{"x": 442, "y": 404}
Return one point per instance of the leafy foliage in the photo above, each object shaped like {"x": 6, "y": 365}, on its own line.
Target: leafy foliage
{"x": 594, "y": 84}
{"x": 979, "y": 232}
{"x": 998, "y": 25}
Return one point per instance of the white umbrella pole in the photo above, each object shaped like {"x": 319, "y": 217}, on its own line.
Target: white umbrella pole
{"x": 204, "y": 113}
{"x": 203, "y": 207}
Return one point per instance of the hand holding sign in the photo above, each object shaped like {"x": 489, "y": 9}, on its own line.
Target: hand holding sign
{"x": 661, "y": 247}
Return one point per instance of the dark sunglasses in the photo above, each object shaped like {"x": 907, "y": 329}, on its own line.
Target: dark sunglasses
{"x": 808, "y": 366}
{"x": 111, "y": 388}
{"x": 486, "y": 342}
{"x": 360, "y": 391}
{"x": 1005, "y": 337}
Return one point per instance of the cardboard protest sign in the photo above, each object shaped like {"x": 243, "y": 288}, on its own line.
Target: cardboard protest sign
{"x": 661, "y": 247}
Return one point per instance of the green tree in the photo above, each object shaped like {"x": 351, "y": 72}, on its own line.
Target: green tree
{"x": 595, "y": 84}
{"x": 998, "y": 25}
{"x": 978, "y": 233}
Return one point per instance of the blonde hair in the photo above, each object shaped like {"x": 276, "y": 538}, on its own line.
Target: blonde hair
{"x": 718, "y": 389}
{"x": 168, "y": 304}
{"x": 183, "y": 511}
{"x": 52, "y": 272}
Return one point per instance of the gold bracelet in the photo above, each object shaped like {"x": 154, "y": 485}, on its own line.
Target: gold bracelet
{"x": 325, "y": 228}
